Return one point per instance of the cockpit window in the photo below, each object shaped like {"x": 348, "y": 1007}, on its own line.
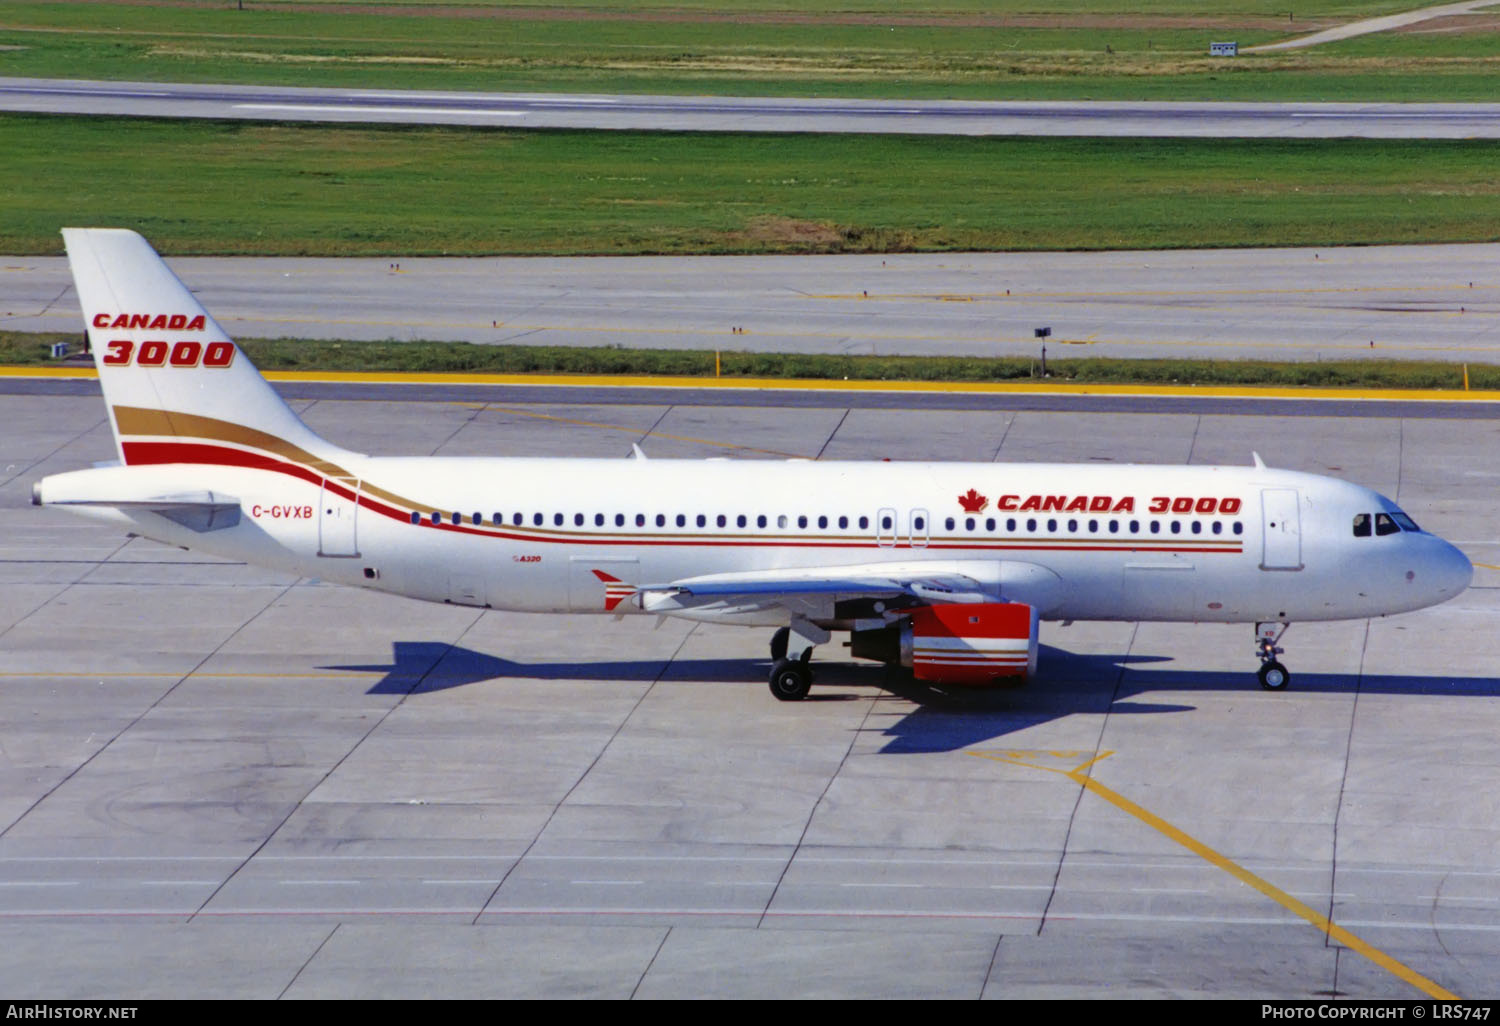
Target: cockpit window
{"x": 1361, "y": 525}
{"x": 1385, "y": 525}
{"x": 1406, "y": 523}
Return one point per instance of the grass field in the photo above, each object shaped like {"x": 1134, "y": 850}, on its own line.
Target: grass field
{"x": 31, "y": 349}
{"x": 247, "y": 188}
{"x": 954, "y": 48}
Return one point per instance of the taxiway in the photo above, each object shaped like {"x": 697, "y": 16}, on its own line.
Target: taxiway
{"x": 220, "y": 781}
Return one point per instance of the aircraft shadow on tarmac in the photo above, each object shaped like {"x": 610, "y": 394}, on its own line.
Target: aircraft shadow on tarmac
{"x": 945, "y": 719}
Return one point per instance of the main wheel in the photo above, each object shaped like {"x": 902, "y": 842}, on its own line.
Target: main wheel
{"x": 1274, "y": 677}
{"x": 779, "y": 642}
{"x": 791, "y": 679}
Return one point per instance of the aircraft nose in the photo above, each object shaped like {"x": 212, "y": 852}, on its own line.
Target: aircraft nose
{"x": 1453, "y": 570}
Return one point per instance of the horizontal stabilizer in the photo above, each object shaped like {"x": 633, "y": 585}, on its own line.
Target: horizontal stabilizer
{"x": 204, "y": 511}
{"x": 133, "y": 489}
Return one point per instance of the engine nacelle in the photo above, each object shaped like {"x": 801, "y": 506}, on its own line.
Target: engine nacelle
{"x": 968, "y": 643}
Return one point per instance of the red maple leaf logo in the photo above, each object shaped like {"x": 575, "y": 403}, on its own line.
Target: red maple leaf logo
{"x": 973, "y": 502}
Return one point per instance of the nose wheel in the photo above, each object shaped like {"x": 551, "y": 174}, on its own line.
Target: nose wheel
{"x": 1273, "y": 676}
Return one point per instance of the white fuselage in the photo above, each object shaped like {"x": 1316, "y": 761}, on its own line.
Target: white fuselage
{"x": 1219, "y": 544}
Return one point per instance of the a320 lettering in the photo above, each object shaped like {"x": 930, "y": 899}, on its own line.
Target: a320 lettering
{"x": 190, "y": 353}
{"x": 281, "y": 512}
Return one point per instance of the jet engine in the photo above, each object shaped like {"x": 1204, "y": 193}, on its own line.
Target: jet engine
{"x": 962, "y": 643}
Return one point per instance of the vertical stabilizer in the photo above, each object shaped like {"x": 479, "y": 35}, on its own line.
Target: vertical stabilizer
{"x": 173, "y": 381}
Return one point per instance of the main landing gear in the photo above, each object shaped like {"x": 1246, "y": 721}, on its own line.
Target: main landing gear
{"x": 791, "y": 679}
{"x": 791, "y": 650}
{"x": 1273, "y": 676}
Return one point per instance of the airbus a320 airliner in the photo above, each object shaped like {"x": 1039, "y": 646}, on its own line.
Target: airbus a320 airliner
{"x": 946, "y": 568}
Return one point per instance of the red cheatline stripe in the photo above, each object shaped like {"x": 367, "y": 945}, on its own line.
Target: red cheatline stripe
{"x": 144, "y": 453}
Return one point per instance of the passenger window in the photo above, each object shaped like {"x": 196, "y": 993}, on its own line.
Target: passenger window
{"x": 781, "y": 520}
{"x": 598, "y": 519}
{"x": 661, "y": 520}
{"x": 1385, "y": 525}
{"x": 919, "y": 524}
{"x": 1031, "y": 524}
{"x": 557, "y": 520}
{"x": 1197, "y": 527}
{"x": 416, "y": 517}
{"x": 948, "y": 524}
{"x": 681, "y": 520}
{"x": 437, "y": 517}
{"x": 1114, "y": 527}
{"x": 1218, "y": 527}
{"x": 476, "y": 519}
{"x": 864, "y": 523}
{"x": 822, "y": 523}
{"x": 640, "y": 520}
{"x": 722, "y": 520}
{"x": 577, "y": 519}
{"x": 1238, "y": 528}
{"x": 537, "y": 518}
{"x": 702, "y": 520}
{"x": 1072, "y": 526}
{"x": 1052, "y": 526}
{"x": 843, "y": 523}
{"x": 1361, "y": 525}
{"x": 760, "y": 521}
{"x": 740, "y": 520}
{"x": 496, "y": 519}
{"x": 457, "y": 518}
{"x": 969, "y": 524}
{"x": 1176, "y": 527}
{"x": 619, "y": 519}
{"x": 1010, "y": 523}
{"x": 1156, "y": 527}
{"x": 1135, "y": 527}
{"x": 886, "y": 523}
{"x": 989, "y": 525}
{"x": 802, "y": 521}
{"x": 516, "y": 518}
{"x": 1093, "y": 527}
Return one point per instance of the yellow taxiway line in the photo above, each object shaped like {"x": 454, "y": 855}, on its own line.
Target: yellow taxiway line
{"x": 830, "y": 385}
{"x": 1079, "y": 775}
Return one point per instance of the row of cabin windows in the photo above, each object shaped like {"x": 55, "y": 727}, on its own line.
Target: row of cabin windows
{"x": 1383, "y": 523}
{"x": 887, "y": 523}
{"x": 1111, "y": 526}
{"x": 641, "y": 520}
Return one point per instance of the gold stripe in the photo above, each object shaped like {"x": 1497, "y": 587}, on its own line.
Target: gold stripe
{"x": 135, "y": 420}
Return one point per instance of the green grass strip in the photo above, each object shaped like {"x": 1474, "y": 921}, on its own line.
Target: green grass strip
{"x": 975, "y": 49}
{"x": 31, "y": 349}
{"x": 266, "y": 189}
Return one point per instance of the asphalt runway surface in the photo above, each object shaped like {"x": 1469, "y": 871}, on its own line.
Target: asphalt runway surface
{"x": 1408, "y": 302}
{"x": 750, "y": 114}
{"x": 220, "y": 781}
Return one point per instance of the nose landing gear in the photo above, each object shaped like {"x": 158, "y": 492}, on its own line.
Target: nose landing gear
{"x": 1273, "y": 676}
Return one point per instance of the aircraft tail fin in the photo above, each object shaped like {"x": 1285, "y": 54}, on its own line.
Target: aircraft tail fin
{"x": 177, "y": 388}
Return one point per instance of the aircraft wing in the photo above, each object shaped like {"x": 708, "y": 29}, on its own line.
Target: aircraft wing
{"x": 932, "y": 582}
{"x": 874, "y": 581}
